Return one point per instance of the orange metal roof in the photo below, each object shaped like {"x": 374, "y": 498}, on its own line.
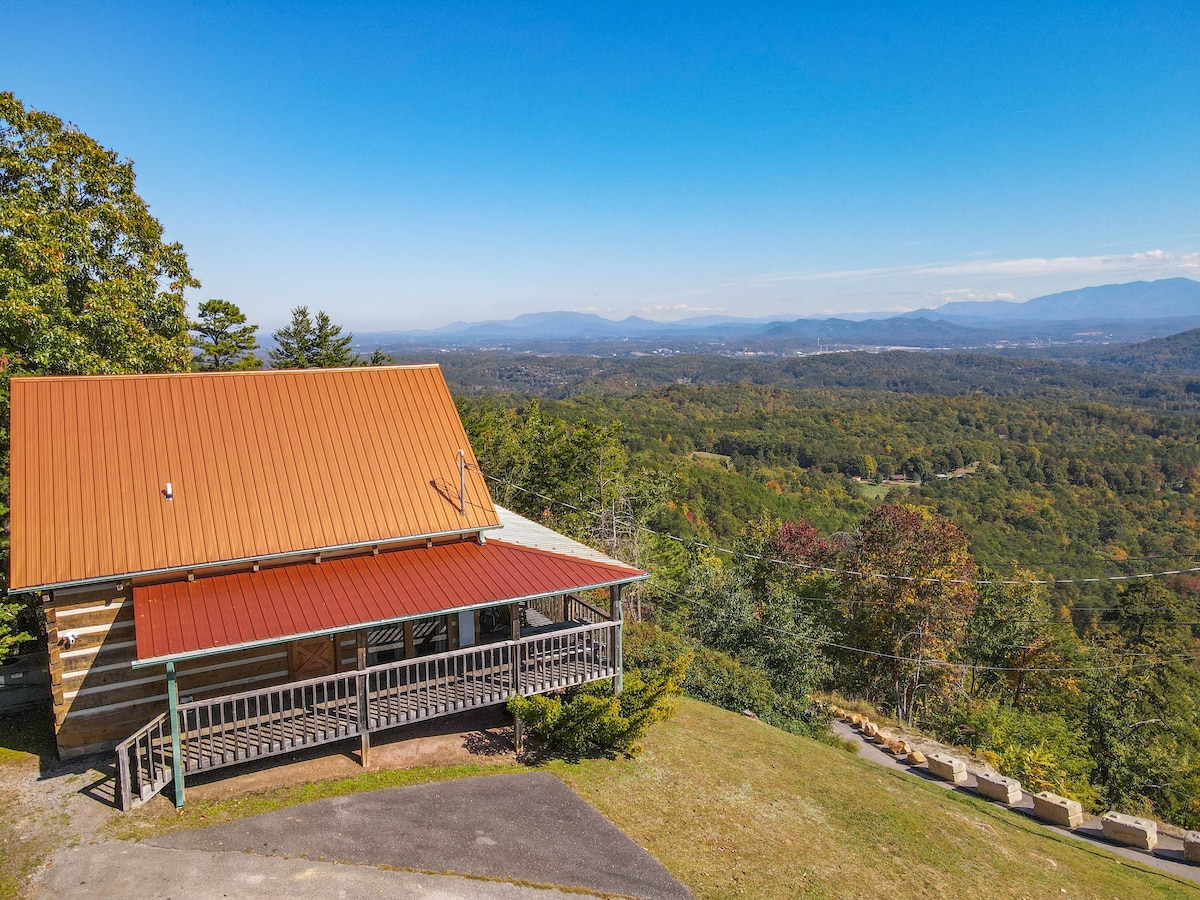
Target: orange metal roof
{"x": 260, "y": 463}
{"x": 224, "y": 612}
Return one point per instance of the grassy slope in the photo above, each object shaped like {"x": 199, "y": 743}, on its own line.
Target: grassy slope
{"x": 736, "y": 808}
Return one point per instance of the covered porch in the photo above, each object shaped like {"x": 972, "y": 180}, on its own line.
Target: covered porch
{"x": 534, "y": 646}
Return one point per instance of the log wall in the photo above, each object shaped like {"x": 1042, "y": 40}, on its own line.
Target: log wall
{"x": 100, "y": 698}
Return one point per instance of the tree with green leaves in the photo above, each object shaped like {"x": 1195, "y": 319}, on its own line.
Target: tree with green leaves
{"x": 908, "y": 590}
{"x": 756, "y": 607}
{"x": 307, "y": 343}
{"x": 1141, "y": 705}
{"x": 379, "y": 358}
{"x": 222, "y": 340}
{"x": 1012, "y": 638}
{"x": 87, "y": 283}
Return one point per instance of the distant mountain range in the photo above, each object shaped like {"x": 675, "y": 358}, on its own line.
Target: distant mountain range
{"x": 1167, "y": 298}
{"x": 1113, "y": 313}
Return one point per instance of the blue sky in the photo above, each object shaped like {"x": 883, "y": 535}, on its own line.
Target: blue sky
{"x": 405, "y": 165}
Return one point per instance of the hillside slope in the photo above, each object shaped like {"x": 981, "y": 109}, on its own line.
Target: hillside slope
{"x": 733, "y": 807}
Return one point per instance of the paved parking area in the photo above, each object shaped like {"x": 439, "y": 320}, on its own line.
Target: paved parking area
{"x": 143, "y": 872}
{"x": 528, "y": 828}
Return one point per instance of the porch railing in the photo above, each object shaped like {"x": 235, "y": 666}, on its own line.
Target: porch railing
{"x": 562, "y": 659}
{"x": 568, "y": 608}
{"x": 144, "y": 763}
{"x": 227, "y": 730}
{"x": 576, "y": 609}
{"x": 224, "y": 731}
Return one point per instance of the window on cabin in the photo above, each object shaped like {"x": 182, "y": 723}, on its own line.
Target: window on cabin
{"x": 385, "y": 645}
{"x": 430, "y": 636}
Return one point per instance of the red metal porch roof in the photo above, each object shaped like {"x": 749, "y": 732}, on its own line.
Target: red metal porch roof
{"x": 182, "y": 618}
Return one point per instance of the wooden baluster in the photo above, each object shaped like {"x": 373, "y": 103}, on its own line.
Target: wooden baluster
{"x": 124, "y": 785}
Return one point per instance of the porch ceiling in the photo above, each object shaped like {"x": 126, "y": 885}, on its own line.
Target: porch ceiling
{"x": 225, "y": 612}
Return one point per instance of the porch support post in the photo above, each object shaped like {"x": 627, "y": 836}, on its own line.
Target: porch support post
{"x": 518, "y": 661}
{"x": 614, "y": 614}
{"x": 364, "y": 756}
{"x": 176, "y": 741}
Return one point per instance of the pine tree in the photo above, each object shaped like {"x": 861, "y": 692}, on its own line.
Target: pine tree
{"x": 223, "y": 340}
{"x": 307, "y": 344}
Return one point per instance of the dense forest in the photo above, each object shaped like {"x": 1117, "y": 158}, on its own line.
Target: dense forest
{"x": 969, "y": 558}
{"x": 1176, "y": 388}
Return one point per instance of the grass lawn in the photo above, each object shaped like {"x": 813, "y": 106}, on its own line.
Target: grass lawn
{"x": 872, "y": 491}
{"x": 733, "y": 807}
{"x": 736, "y": 808}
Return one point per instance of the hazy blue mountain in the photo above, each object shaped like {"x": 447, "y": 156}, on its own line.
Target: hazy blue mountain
{"x": 927, "y": 333}
{"x": 1114, "y": 313}
{"x": 588, "y": 326}
{"x": 1166, "y": 298}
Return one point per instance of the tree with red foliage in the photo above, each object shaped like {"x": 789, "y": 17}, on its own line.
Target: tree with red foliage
{"x": 907, "y": 590}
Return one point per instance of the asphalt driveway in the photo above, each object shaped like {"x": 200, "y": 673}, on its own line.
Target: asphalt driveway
{"x": 528, "y": 828}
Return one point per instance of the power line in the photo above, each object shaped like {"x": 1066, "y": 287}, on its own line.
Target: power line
{"x": 930, "y": 661}
{"x": 879, "y": 654}
{"x": 830, "y": 570}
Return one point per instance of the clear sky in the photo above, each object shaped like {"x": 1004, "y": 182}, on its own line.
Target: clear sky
{"x": 403, "y": 165}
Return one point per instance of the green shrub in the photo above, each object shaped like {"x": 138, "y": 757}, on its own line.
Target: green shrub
{"x": 645, "y": 645}
{"x": 718, "y": 678}
{"x": 591, "y": 719}
{"x": 1038, "y": 748}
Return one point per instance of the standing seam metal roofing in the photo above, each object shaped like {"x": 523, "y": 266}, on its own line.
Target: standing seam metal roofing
{"x": 225, "y": 612}
{"x": 261, "y": 464}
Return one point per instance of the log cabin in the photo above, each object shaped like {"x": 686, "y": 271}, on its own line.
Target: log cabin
{"x": 235, "y": 565}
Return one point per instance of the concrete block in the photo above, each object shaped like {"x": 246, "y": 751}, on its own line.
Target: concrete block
{"x": 1191, "y": 846}
{"x": 1059, "y": 810}
{"x": 1130, "y": 830}
{"x": 998, "y": 787}
{"x": 948, "y": 768}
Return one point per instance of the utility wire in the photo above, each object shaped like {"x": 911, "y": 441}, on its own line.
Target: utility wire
{"x": 929, "y": 661}
{"x": 879, "y": 654}
{"x": 830, "y": 570}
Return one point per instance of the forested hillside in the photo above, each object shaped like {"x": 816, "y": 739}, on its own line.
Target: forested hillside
{"x": 964, "y": 557}
{"x": 942, "y": 374}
